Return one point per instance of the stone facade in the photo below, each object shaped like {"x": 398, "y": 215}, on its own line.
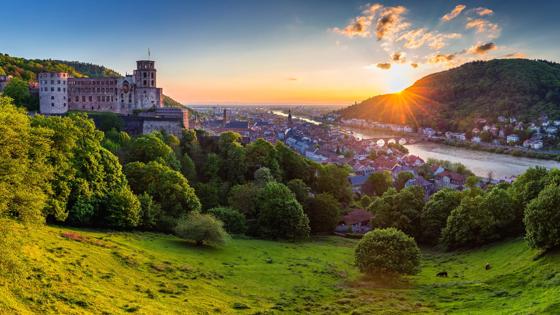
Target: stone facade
{"x": 121, "y": 95}
{"x": 53, "y": 92}
{"x": 4, "y": 80}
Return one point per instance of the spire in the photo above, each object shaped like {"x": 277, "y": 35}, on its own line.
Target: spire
{"x": 289, "y": 117}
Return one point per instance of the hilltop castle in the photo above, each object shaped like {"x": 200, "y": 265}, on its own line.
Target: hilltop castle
{"x": 59, "y": 93}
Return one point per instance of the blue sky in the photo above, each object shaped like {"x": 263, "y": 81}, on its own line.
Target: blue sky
{"x": 279, "y": 52}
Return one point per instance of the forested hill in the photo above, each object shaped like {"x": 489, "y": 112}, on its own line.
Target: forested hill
{"x": 452, "y": 99}
{"x": 27, "y": 70}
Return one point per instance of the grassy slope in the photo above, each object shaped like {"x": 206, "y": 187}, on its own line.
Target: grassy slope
{"x": 152, "y": 273}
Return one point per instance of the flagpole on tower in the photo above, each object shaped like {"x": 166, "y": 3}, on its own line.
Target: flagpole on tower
{"x": 149, "y": 54}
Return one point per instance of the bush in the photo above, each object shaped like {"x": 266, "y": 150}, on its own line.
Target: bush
{"x": 201, "y": 229}
{"x": 541, "y": 219}
{"x": 300, "y": 189}
{"x": 149, "y": 212}
{"x": 234, "y": 221}
{"x": 323, "y": 211}
{"x": 389, "y": 250}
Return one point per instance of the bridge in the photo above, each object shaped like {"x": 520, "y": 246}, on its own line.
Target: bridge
{"x": 402, "y": 140}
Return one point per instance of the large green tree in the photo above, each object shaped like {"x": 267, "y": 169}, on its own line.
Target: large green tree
{"x": 323, "y": 211}
{"x": 333, "y": 179}
{"x": 435, "y": 212}
{"x": 18, "y": 90}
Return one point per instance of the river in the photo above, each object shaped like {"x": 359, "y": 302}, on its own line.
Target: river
{"x": 479, "y": 162}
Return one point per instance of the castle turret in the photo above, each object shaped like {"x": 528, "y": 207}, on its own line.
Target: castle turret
{"x": 53, "y": 92}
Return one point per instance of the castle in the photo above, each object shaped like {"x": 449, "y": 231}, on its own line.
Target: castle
{"x": 58, "y": 92}
{"x": 132, "y": 94}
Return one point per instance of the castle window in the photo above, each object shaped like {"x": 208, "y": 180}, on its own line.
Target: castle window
{"x": 145, "y": 74}
{"x": 152, "y": 82}
{"x": 52, "y": 89}
{"x": 57, "y": 81}
{"x": 145, "y": 83}
{"x": 52, "y": 104}
{"x": 77, "y": 98}
{"x": 91, "y": 99}
{"x": 58, "y": 89}
{"x": 52, "y": 81}
{"x": 52, "y": 97}
{"x": 83, "y": 98}
{"x": 64, "y": 104}
{"x": 152, "y": 74}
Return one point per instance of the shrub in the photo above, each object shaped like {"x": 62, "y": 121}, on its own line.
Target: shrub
{"x": 323, "y": 211}
{"x": 389, "y": 250}
{"x": 234, "y": 221}
{"x": 300, "y": 189}
{"x": 400, "y": 210}
{"x": 201, "y": 229}
{"x": 541, "y": 219}
{"x": 149, "y": 211}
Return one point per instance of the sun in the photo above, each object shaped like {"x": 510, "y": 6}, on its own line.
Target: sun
{"x": 398, "y": 78}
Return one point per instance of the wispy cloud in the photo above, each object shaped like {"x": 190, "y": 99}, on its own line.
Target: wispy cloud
{"x": 483, "y": 11}
{"x": 384, "y": 66}
{"x": 481, "y": 49}
{"x": 516, "y": 55}
{"x": 483, "y": 26}
{"x": 398, "y": 37}
{"x": 454, "y": 13}
{"x": 399, "y": 57}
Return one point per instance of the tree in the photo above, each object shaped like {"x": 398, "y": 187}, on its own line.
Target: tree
{"x": 400, "y": 210}
{"x": 383, "y": 251}
{"x": 526, "y": 188}
{"x": 300, "y": 190}
{"x": 261, "y": 153}
{"x": 188, "y": 169}
{"x": 500, "y": 204}
{"x": 323, "y": 212}
{"x": 244, "y": 198}
{"x": 234, "y": 221}
{"x": 167, "y": 187}
{"x": 122, "y": 209}
{"x": 402, "y": 178}
{"x": 151, "y": 147}
{"x": 333, "y": 179}
{"x": 201, "y": 228}
{"x": 468, "y": 225}
{"x": 378, "y": 183}
{"x": 279, "y": 215}
{"x": 18, "y": 90}
{"x": 541, "y": 219}
{"x": 149, "y": 212}
{"x": 435, "y": 213}
{"x": 293, "y": 165}
{"x": 208, "y": 194}
{"x": 263, "y": 176}
{"x": 24, "y": 166}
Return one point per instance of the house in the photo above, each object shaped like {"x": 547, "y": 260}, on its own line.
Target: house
{"x": 357, "y": 182}
{"x": 534, "y": 144}
{"x": 428, "y": 132}
{"x": 455, "y": 136}
{"x": 412, "y": 160}
{"x": 551, "y": 130}
{"x": 475, "y": 139}
{"x": 513, "y": 138}
{"x": 429, "y": 187}
{"x": 355, "y": 221}
{"x": 449, "y": 179}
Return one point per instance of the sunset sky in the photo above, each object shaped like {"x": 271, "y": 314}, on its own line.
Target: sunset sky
{"x": 282, "y": 52}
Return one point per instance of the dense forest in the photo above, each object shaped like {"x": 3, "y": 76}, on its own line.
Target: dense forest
{"x": 452, "y": 99}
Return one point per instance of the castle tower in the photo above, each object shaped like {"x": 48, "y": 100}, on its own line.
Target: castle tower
{"x": 145, "y": 73}
{"x": 53, "y": 92}
{"x": 224, "y": 122}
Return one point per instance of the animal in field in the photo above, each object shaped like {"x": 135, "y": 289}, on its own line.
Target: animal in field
{"x": 442, "y": 274}
{"x": 488, "y": 266}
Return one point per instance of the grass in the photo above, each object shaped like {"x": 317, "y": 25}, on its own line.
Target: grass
{"x": 86, "y": 271}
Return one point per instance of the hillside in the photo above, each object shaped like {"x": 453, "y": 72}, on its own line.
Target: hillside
{"x": 27, "y": 69}
{"x": 451, "y": 99}
{"x": 85, "y": 271}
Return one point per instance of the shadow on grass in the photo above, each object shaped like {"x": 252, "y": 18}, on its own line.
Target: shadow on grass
{"x": 179, "y": 243}
{"x": 388, "y": 281}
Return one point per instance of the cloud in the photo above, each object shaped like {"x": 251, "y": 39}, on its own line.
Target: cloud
{"x": 292, "y": 79}
{"x": 414, "y": 65}
{"x": 483, "y": 11}
{"x": 399, "y": 57}
{"x": 483, "y": 26}
{"x": 516, "y": 55}
{"x": 454, "y": 13}
{"x": 384, "y": 66}
{"x": 481, "y": 49}
{"x": 438, "y": 58}
{"x": 360, "y": 26}
{"x": 390, "y": 21}
{"x": 419, "y": 37}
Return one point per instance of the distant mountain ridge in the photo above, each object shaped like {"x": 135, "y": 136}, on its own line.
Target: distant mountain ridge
{"x": 453, "y": 99}
{"x": 27, "y": 69}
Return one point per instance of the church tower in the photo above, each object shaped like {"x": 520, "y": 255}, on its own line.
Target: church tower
{"x": 289, "y": 117}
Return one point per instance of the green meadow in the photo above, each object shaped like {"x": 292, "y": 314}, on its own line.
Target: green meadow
{"x": 87, "y": 271}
